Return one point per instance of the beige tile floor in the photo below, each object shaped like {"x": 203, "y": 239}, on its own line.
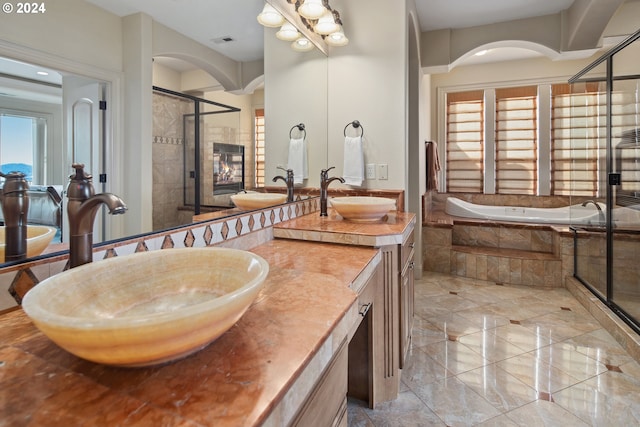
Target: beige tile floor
{"x": 494, "y": 355}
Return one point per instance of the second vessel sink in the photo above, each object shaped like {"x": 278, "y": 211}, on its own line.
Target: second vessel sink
{"x": 362, "y": 208}
{"x": 250, "y": 201}
{"x": 146, "y": 308}
{"x": 38, "y": 238}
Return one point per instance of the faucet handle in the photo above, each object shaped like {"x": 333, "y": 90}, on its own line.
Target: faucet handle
{"x": 80, "y": 174}
{"x": 325, "y": 171}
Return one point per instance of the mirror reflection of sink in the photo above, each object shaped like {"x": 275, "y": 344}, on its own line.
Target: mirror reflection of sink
{"x": 250, "y": 201}
{"x": 146, "y": 308}
{"x": 38, "y": 238}
{"x": 362, "y": 208}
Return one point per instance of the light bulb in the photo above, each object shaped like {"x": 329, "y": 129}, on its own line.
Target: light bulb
{"x": 337, "y": 38}
{"x": 312, "y": 9}
{"x": 326, "y": 24}
{"x": 288, "y": 32}
{"x": 269, "y": 17}
{"x": 302, "y": 45}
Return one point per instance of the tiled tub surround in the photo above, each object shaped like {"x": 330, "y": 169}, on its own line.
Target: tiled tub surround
{"x": 257, "y": 373}
{"x": 508, "y": 253}
{"x": 254, "y": 228}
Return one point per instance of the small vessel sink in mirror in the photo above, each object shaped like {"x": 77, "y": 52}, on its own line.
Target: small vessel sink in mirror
{"x": 362, "y": 208}
{"x": 250, "y": 201}
{"x": 146, "y": 308}
{"x": 38, "y": 238}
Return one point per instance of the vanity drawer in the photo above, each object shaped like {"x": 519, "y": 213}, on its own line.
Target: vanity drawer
{"x": 406, "y": 250}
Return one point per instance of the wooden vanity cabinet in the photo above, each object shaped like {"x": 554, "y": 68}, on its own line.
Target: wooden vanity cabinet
{"x": 327, "y": 404}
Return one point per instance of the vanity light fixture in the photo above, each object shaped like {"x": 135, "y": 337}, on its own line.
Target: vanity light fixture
{"x": 312, "y": 9}
{"x": 269, "y": 17}
{"x": 326, "y": 24}
{"x": 317, "y": 16}
{"x": 288, "y": 32}
{"x": 302, "y": 44}
{"x": 337, "y": 38}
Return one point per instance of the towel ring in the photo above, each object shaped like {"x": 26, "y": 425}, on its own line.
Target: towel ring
{"x": 301, "y": 128}
{"x": 356, "y": 124}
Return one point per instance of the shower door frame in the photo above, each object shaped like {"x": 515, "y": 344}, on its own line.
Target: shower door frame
{"x": 613, "y": 180}
{"x": 197, "y": 115}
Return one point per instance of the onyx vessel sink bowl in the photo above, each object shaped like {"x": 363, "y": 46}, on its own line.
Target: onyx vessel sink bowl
{"x": 362, "y": 208}
{"x": 146, "y": 308}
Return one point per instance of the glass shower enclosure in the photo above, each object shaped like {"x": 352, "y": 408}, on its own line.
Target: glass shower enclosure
{"x": 606, "y": 137}
{"x": 188, "y": 133}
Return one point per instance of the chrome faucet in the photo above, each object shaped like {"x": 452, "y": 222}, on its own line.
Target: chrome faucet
{"x": 15, "y": 206}
{"x": 82, "y": 209}
{"x": 595, "y": 204}
{"x": 324, "y": 184}
{"x": 288, "y": 180}
{"x": 601, "y": 219}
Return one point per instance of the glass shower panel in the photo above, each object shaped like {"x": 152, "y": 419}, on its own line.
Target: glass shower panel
{"x": 223, "y": 158}
{"x": 588, "y": 172}
{"x": 625, "y": 141}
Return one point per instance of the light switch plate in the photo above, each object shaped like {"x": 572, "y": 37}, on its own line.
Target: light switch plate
{"x": 383, "y": 171}
{"x": 370, "y": 171}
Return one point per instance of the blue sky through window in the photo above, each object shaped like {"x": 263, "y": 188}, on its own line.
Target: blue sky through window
{"x": 16, "y": 144}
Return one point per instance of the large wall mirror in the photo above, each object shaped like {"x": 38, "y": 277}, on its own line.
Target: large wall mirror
{"x": 294, "y": 91}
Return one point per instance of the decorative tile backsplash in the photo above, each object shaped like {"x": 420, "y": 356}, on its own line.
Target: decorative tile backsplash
{"x": 242, "y": 231}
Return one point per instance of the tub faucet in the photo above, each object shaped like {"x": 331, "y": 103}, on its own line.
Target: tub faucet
{"x": 15, "y": 206}
{"x": 324, "y": 184}
{"x": 82, "y": 209}
{"x": 594, "y": 203}
{"x": 288, "y": 180}
{"x": 601, "y": 219}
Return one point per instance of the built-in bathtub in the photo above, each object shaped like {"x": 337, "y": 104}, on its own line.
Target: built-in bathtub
{"x": 573, "y": 214}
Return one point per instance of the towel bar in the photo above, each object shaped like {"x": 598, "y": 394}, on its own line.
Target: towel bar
{"x": 301, "y": 128}
{"x": 356, "y": 124}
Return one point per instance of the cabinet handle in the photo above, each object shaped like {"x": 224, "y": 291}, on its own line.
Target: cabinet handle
{"x": 364, "y": 308}
{"x": 412, "y": 265}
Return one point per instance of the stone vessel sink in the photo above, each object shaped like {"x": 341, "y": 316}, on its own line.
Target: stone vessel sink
{"x": 250, "y": 201}
{"x": 38, "y": 238}
{"x": 146, "y": 308}
{"x": 362, "y": 208}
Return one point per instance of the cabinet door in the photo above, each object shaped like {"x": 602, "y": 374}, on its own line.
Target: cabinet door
{"x": 406, "y": 311}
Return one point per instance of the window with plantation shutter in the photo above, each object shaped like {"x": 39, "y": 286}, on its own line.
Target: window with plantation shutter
{"x": 465, "y": 141}
{"x": 578, "y": 131}
{"x": 516, "y": 140}
{"x": 259, "y": 144}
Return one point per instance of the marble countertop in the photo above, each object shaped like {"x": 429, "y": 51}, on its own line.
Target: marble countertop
{"x": 247, "y": 377}
{"x": 390, "y": 230}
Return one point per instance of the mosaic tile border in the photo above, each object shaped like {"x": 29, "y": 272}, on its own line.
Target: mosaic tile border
{"x": 18, "y": 279}
{"x": 167, "y": 140}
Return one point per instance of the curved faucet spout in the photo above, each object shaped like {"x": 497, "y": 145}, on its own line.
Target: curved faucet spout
{"x": 324, "y": 185}
{"x": 82, "y": 209}
{"x": 82, "y": 215}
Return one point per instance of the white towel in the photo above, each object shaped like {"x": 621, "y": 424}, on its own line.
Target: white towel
{"x": 298, "y": 160}
{"x": 353, "y": 171}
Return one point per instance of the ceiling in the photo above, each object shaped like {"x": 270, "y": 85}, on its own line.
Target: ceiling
{"x": 207, "y": 22}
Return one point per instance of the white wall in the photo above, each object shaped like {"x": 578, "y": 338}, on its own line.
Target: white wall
{"x": 72, "y": 29}
{"x": 295, "y": 92}
{"x": 367, "y": 82}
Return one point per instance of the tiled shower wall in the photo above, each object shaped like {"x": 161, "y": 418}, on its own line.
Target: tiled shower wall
{"x": 168, "y": 158}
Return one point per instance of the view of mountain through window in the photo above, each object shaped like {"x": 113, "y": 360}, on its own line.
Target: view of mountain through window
{"x": 16, "y": 144}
